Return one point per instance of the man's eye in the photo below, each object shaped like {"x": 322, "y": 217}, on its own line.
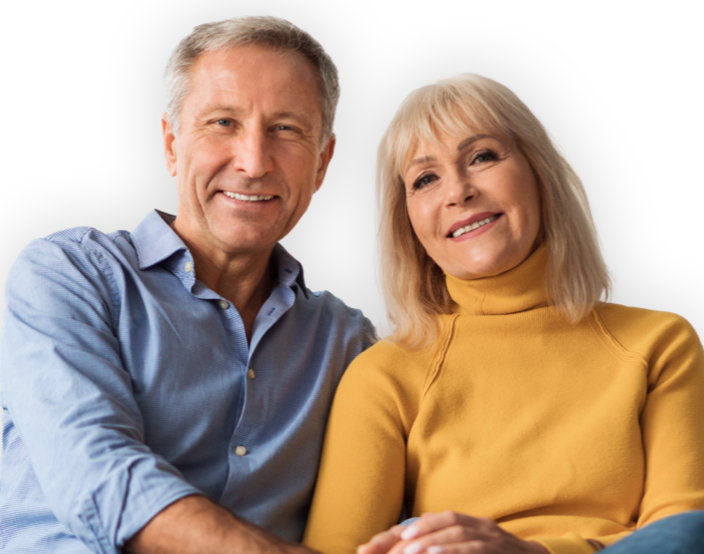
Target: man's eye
{"x": 424, "y": 180}
{"x": 284, "y": 128}
{"x": 224, "y": 122}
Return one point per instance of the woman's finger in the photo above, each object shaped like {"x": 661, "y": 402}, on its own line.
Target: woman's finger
{"x": 431, "y": 522}
{"x": 470, "y": 547}
{"x": 481, "y": 536}
{"x": 449, "y": 535}
{"x": 382, "y": 542}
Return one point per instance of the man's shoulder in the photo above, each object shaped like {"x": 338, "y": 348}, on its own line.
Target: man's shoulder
{"x": 75, "y": 255}
{"x": 324, "y": 313}
{"x": 326, "y": 300}
{"x": 334, "y": 314}
{"x": 76, "y": 242}
{"x": 82, "y": 238}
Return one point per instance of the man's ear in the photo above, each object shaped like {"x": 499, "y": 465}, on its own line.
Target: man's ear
{"x": 324, "y": 160}
{"x": 169, "y": 144}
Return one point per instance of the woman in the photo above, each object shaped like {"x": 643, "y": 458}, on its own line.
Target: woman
{"x": 508, "y": 392}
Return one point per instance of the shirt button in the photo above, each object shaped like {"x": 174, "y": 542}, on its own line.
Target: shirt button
{"x": 240, "y": 450}
{"x": 250, "y": 373}
{"x": 188, "y": 267}
{"x": 224, "y": 304}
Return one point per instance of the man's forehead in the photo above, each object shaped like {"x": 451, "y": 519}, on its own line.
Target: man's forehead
{"x": 237, "y": 79}
{"x": 233, "y": 59}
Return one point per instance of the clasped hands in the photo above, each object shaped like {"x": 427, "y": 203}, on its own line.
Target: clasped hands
{"x": 449, "y": 533}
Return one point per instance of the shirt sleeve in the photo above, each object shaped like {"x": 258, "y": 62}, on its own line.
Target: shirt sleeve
{"x": 71, "y": 400}
{"x": 360, "y": 488}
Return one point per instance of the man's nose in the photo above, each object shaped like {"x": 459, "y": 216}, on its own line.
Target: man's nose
{"x": 252, "y": 154}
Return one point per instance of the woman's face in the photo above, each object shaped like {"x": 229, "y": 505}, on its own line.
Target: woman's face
{"x": 474, "y": 204}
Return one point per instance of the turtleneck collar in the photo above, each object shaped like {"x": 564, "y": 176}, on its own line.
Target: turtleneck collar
{"x": 517, "y": 290}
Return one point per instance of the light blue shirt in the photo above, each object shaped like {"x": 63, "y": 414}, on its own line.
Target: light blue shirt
{"x": 127, "y": 384}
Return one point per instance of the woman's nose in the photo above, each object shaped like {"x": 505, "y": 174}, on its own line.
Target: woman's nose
{"x": 459, "y": 189}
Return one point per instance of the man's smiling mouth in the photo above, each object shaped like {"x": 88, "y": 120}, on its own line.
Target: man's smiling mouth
{"x": 248, "y": 198}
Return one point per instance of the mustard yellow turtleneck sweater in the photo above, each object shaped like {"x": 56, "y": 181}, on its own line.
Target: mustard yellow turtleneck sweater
{"x": 558, "y": 432}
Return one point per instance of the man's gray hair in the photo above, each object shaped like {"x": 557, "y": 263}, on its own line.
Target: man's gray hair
{"x": 271, "y": 32}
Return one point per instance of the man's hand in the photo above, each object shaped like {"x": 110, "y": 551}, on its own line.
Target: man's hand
{"x": 449, "y": 533}
{"x": 194, "y": 524}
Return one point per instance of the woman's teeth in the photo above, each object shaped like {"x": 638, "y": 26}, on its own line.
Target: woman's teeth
{"x": 462, "y": 230}
{"x": 247, "y": 198}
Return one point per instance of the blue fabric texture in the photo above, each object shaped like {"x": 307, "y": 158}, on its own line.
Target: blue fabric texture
{"x": 127, "y": 384}
{"x": 678, "y": 534}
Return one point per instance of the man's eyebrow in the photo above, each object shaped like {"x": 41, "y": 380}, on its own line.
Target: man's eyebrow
{"x": 216, "y": 108}
{"x": 461, "y": 146}
{"x": 232, "y": 109}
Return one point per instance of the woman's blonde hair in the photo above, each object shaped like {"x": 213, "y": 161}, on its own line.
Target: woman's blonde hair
{"x": 413, "y": 284}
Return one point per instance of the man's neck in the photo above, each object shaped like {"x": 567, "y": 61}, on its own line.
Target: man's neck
{"x": 245, "y": 279}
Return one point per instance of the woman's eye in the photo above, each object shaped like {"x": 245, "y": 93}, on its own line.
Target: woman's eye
{"x": 424, "y": 180}
{"x": 483, "y": 157}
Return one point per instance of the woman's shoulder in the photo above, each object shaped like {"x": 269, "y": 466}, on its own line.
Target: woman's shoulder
{"x": 389, "y": 357}
{"x": 642, "y": 331}
{"x": 395, "y": 364}
{"x": 629, "y": 318}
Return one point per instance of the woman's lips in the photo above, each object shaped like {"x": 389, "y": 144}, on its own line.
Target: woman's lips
{"x": 473, "y": 223}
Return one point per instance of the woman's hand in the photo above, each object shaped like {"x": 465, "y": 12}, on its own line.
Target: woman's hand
{"x": 449, "y": 533}
{"x": 381, "y": 543}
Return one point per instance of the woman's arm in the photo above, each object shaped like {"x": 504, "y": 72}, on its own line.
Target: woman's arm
{"x": 672, "y": 423}
{"x": 360, "y": 487}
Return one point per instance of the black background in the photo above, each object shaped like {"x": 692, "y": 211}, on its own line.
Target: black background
{"x": 617, "y": 89}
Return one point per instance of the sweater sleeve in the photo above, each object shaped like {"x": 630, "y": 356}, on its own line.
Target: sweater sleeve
{"x": 673, "y": 425}
{"x": 672, "y": 420}
{"x": 360, "y": 488}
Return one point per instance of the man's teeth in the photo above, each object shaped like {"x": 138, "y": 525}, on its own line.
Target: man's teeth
{"x": 247, "y": 198}
{"x": 462, "y": 230}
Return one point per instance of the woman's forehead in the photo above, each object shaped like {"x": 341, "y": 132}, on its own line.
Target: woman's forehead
{"x": 435, "y": 135}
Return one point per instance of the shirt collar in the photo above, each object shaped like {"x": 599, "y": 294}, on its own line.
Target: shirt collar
{"x": 155, "y": 241}
{"x": 290, "y": 270}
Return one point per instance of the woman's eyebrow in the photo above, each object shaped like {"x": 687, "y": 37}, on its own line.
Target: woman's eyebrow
{"x": 466, "y": 142}
{"x": 461, "y": 146}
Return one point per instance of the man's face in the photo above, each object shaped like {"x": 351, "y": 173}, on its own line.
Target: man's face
{"x": 248, "y": 157}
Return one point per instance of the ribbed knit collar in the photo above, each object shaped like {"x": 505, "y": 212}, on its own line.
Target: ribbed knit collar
{"x": 517, "y": 290}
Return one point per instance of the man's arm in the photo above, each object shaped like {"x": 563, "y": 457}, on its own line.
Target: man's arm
{"x": 194, "y": 524}
{"x": 71, "y": 401}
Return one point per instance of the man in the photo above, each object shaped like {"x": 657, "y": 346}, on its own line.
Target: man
{"x": 157, "y": 382}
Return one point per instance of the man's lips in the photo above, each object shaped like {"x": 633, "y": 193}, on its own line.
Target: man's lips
{"x": 459, "y": 228}
{"x": 248, "y": 197}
